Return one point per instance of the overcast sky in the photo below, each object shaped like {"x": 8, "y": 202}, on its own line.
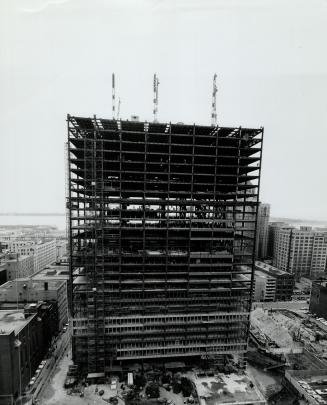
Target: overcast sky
{"x": 270, "y": 57}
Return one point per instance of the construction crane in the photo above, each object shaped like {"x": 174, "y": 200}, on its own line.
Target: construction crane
{"x": 118, "y": 109}
{"x": 113, "y": 98}
{"x": 155, "y": 97}
{"x": 213, "y": 104}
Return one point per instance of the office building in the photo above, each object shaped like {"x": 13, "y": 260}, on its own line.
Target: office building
{"x": 272, "y": 230}
{"x": 44, "y": 252}
{"x": 160, "y": 232}
{"x": 272, "y": 284}
{"x": 262, "y": 231}
{"x": 302, "y": 252}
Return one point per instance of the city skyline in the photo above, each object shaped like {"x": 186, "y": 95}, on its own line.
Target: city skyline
{"x": 265, "y": 77}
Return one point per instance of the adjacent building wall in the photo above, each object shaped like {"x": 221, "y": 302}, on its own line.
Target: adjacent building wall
{"x": 262, "y": 231}
{"x": 318, "y": 299}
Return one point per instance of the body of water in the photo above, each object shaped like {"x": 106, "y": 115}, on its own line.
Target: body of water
{"x": 54, "y": 220}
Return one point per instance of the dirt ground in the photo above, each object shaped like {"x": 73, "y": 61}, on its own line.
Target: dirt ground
{"x": 55, "y": 394}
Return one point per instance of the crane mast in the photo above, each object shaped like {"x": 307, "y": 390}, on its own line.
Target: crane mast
{"x": 113, "y": 97}
{"x": 118, "y": 109}
{"x": 155, "y": 97}
{"x": 213, "y": 104}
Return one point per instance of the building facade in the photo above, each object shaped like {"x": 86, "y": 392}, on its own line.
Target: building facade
{"x": 318, "y": 298}
{"x": 17, "y": 265}
{"x": 262, "y": 231}
{"x": 302, "y": 252}
{"x": 272, "y": 284}
{"x": 44, "y": 252}
{"x": 29, "y": 291}
{"x": 272, "y": 230}
{"x": 160, "y": 232}
{"x": 22, "y": 347}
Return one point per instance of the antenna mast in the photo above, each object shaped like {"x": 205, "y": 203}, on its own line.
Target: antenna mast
{"x": 113, "y": 98}
{"x": 213, "y": 104}
{"x": 155, "y": 97}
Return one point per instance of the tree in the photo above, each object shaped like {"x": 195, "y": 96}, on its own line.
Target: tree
{"x": 152, "y": 390}
{"x": 186, "y": 386}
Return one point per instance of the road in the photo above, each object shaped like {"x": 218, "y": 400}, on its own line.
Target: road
{"x": 60, "y": 347}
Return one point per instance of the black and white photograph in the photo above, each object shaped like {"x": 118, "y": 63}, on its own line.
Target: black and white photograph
{"x": 163, "y": 217}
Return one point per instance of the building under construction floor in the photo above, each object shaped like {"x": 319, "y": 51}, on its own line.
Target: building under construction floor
{"x": 162, "y": 238}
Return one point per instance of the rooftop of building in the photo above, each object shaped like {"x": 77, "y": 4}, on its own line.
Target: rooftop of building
{"x": 53, "y": 272}
{"x": 312, "y": 383}
{"x": 226, "y": 389}
{"x": 81, "y": 124}
{"x": 322, "y": 282}
{"x": 12, "y": 320}
{"x": 10, "y": 257}
{"x": 269, "y": 269}
{"x": 32, "y": 284}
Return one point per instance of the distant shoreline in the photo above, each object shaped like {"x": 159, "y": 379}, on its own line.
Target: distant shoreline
{"x": 32, "y": 214}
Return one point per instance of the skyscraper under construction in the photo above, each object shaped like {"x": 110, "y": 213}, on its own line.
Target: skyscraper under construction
{"x": 162, "y": 236}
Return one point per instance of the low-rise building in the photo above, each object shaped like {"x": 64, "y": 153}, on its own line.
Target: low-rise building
{"x": 27, "y": 290}
{"x": 23, "y": 344}
{"x": 18, "y": 265}
{"x": 318, "y": 298}
{"x": 271, "y": 284}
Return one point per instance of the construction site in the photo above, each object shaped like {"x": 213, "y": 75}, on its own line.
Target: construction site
{"x": 162, "y": 221}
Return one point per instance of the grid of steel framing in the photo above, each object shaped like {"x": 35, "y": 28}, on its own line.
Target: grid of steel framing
{"x": 162, "y": 222}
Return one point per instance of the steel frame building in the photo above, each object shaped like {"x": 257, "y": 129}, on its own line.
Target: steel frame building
{"x": 162, "y": 221}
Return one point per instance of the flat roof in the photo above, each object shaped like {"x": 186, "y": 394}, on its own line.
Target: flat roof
{"x": 272, "y": 270}
{"x": 312, "y": 383}
{"x": 55, "y": 272}
{"x": 31, "y": 283}
{"x": 12, "y": 320}
{"x": 227, "y": 389}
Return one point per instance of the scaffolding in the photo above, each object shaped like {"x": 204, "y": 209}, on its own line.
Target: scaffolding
{"x": 162, "y": 239}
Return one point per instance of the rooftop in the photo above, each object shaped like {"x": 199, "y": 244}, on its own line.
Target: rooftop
{"x": 32, "y": 284}
{"x": 313, "y": 384}
{"x": 54, "y": 272}
{"x": 12, "y": 320}
{"x": 323, "y": 283}
{"x": 227, "y": 389}
{"x": 273, "y": 271}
